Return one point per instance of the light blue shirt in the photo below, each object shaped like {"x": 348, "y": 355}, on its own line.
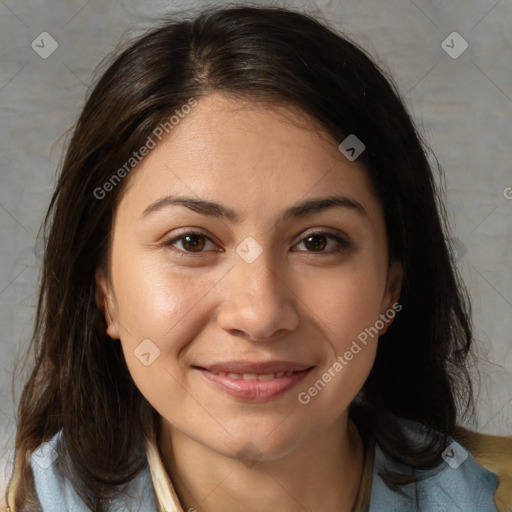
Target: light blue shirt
{"x": 462, "y": 485}
{"x": 468, "y": 487}
{"x": 56, "y": 494}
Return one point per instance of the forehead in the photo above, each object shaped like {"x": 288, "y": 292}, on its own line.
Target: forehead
{"x": 249, "y": 156}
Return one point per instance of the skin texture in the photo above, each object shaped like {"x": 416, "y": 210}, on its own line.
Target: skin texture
{"x": 291, "y": 303}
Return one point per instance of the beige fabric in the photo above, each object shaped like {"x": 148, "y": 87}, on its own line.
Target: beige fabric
{"x": 166, "y": 497}
{"x": 362, "y": 502}
{"x": 495, "y": 454}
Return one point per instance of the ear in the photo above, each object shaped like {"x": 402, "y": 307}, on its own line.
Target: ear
{"x": 104, "y": 300}
{"x": 390, "y": 305}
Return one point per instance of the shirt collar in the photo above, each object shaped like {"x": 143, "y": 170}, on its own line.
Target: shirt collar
{"x": 469, "y": 486}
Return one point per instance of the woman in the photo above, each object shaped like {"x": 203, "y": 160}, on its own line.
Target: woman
{"x": 248, "y": 301}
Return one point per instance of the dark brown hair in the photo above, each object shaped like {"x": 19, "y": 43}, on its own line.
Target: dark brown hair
{"x": 80, "y": 384}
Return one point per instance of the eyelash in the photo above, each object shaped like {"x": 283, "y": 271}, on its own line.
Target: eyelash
{"x": 342, "y": 243}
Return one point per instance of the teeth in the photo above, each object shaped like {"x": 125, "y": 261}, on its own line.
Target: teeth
{"x": 253, "y": 376}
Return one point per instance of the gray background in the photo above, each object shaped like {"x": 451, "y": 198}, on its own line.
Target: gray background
{"x": 462, "y": 105}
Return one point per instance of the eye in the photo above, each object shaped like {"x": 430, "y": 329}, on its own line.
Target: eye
{"x": 317, "y": 241}
{"x": 191, "y": 242}
{"x": 195, "y": 242}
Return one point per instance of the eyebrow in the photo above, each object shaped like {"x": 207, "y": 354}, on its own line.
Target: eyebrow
{"x": 298, "y": 210}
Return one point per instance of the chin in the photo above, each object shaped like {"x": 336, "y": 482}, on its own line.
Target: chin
{"x": 262, "y": 441}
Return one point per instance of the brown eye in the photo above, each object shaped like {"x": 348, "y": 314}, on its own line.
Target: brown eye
{"x": 317, "y": 242}
{"x": 190, "y": 242}
{"x": 194, "y": 243}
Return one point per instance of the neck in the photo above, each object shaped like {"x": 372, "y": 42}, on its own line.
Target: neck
{"x": 323, "y": 474}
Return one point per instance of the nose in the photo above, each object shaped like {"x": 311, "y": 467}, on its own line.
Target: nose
{"x": 257, "y": 303}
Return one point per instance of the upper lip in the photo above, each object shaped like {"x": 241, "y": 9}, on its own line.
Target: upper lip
{"x": 257, "y": 367}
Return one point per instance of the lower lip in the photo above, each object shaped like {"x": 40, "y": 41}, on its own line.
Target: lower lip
{"x": 254, "y": 390}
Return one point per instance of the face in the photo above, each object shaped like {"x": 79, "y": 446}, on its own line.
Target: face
{"x": 237, "y": 291}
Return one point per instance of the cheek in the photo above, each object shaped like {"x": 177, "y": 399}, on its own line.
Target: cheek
{"x": 154, "y": 300}
{"x": 346, "y": 305}
{"x": 154, "y": 308}
{"x": 348, "y": 312}
{"x": 345, "y": 302}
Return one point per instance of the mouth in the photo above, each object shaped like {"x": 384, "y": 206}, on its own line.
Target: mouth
{"x": 257, "y": 382}
{"x": 253, "y": 376}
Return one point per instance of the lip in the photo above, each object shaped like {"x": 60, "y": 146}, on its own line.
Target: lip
{"x": 257, "y": 367}
{"x": 254, "y": 389}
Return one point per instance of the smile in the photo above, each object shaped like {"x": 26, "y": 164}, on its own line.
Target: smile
{"x": 254, "y": 376}
{"x": 252, "y": 385}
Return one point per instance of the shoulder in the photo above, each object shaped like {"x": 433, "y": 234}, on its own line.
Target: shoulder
{"x": 56, "y": 494}
{"x": 494, "y": 453}
{"x": 462, "y": 482}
